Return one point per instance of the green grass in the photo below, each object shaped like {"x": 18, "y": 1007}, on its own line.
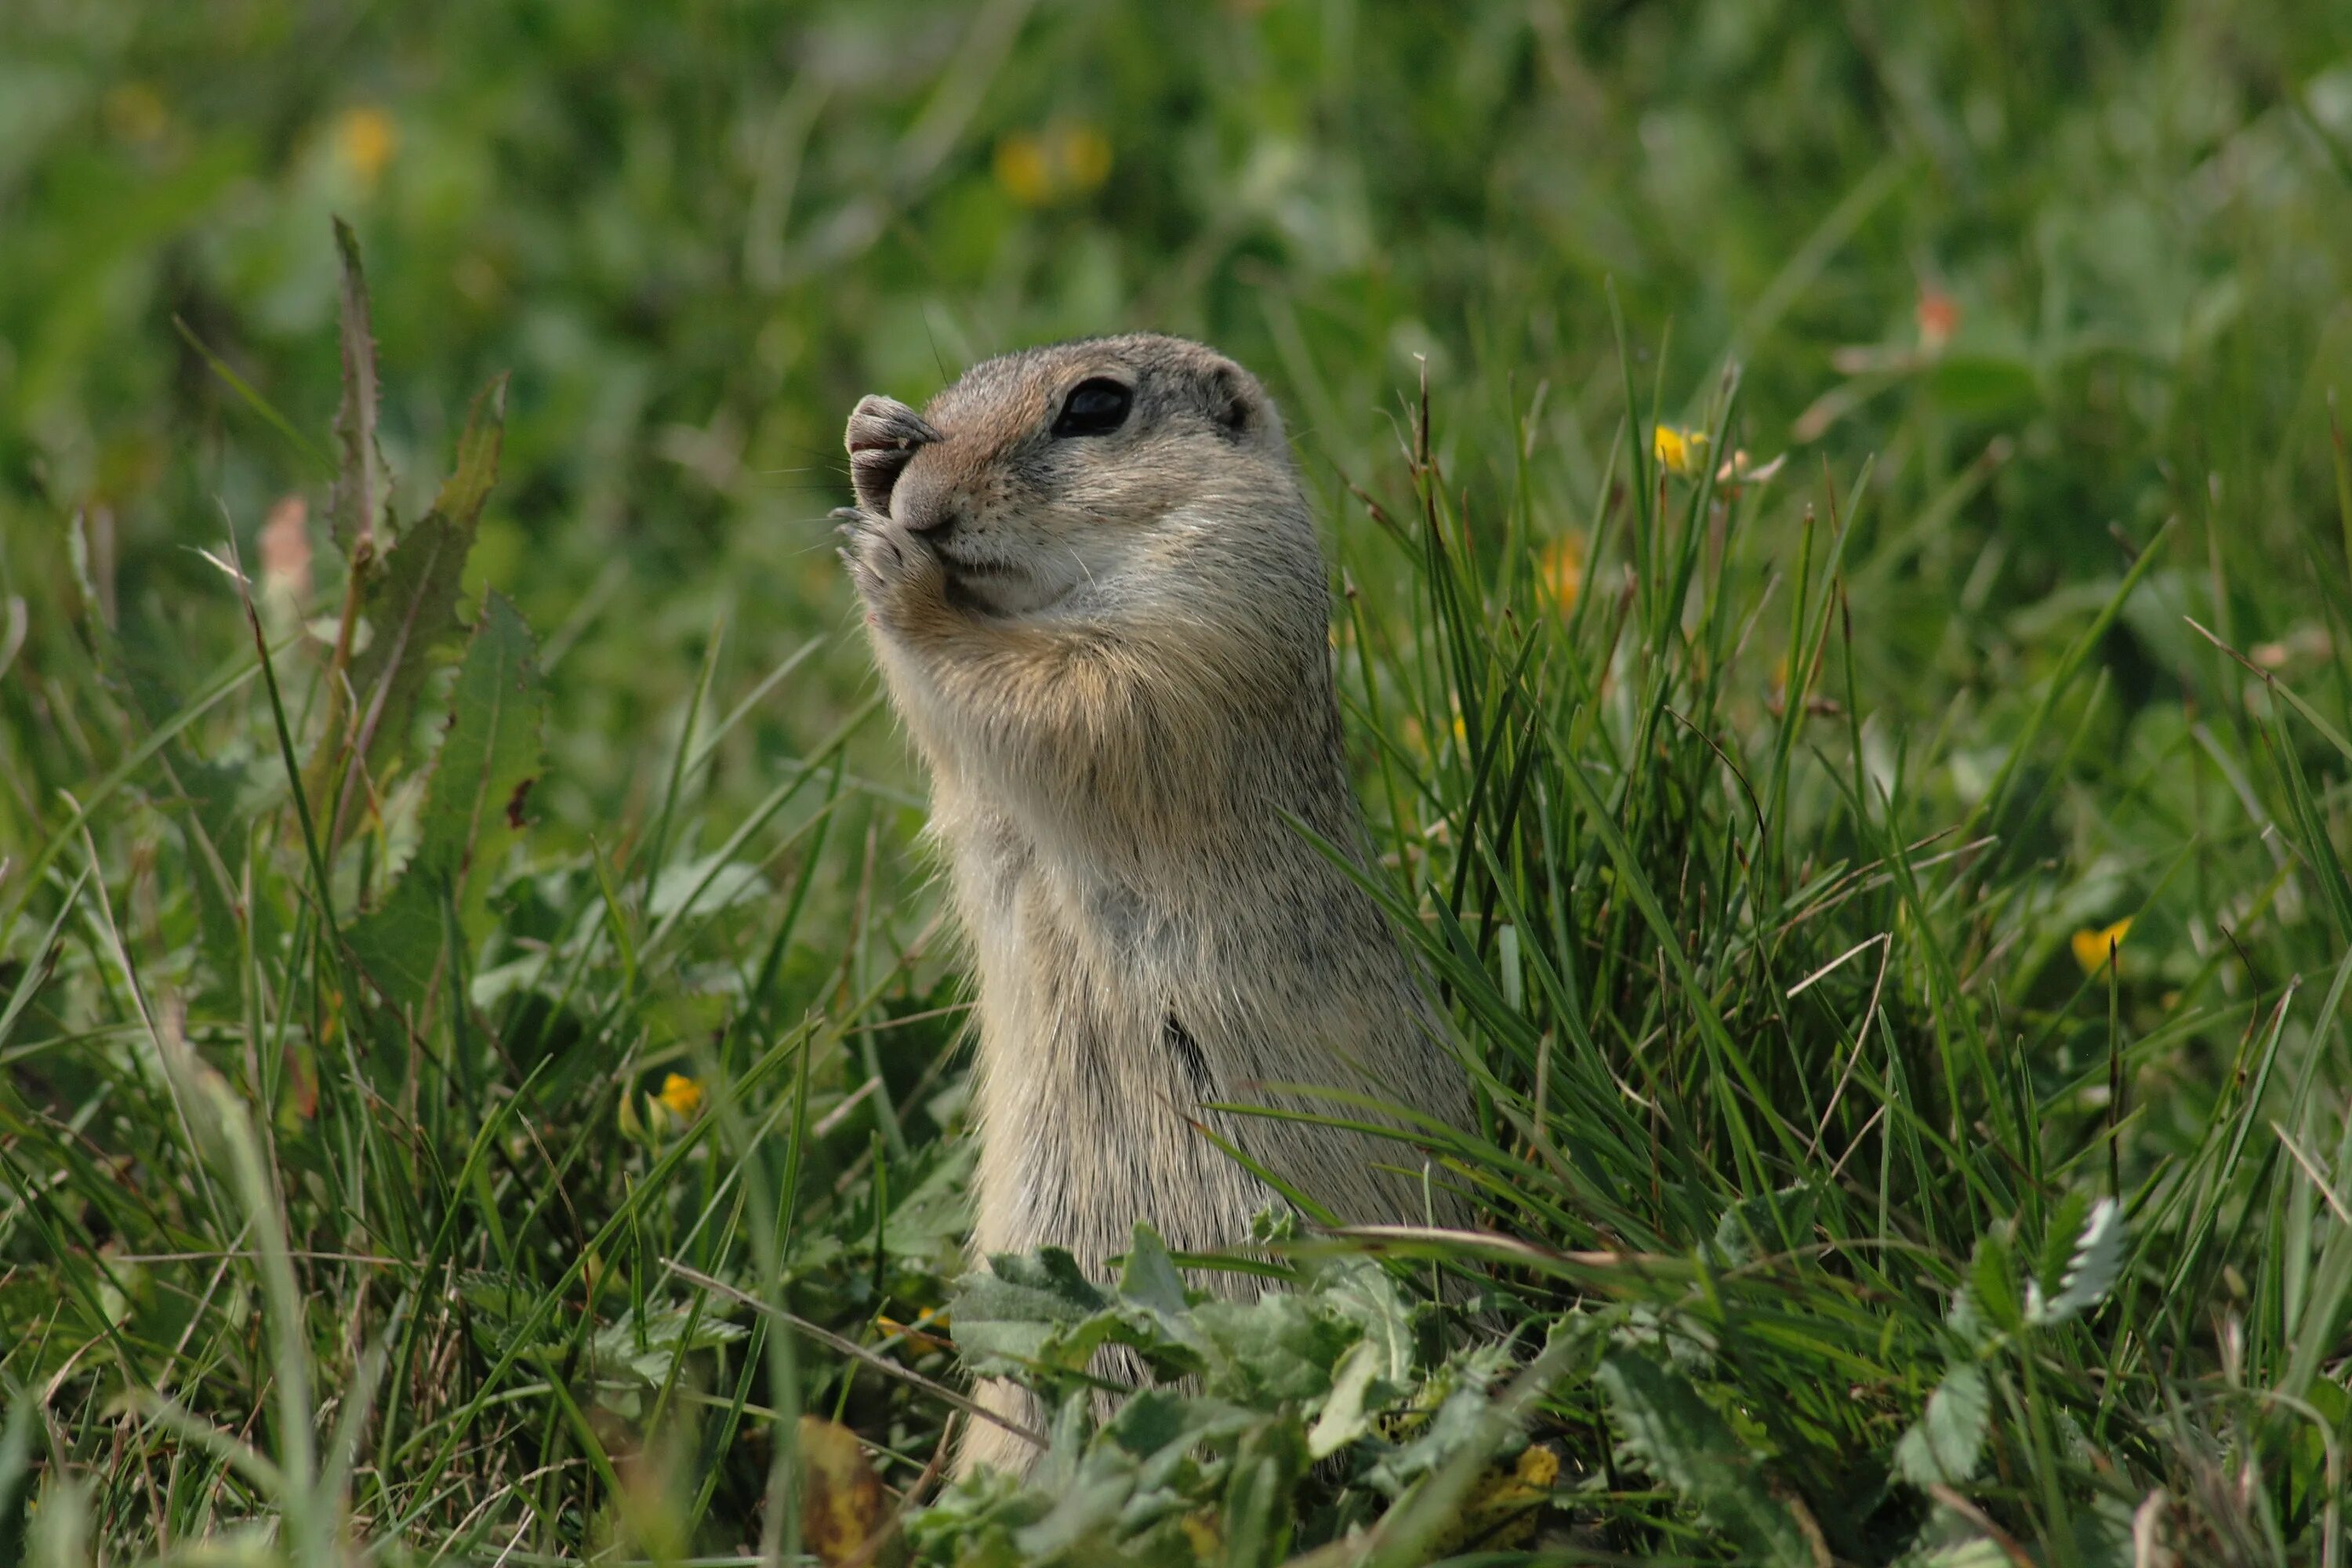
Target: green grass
{"x": 1841, "y": 1211}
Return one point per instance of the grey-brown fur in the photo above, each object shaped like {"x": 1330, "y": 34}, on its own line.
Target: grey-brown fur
{"x": 1112, "y": 650}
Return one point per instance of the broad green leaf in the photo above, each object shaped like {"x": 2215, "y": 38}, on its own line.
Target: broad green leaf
{"x": 2098, "y": 1258}
{"x": 1279, "y": 1347}
{"x": 1258, "y": 1516}
{"x": 1345, "y": 1419}
{"x": 936, "y": 1210}
{"x": 1367, "y": 1295}
{"x": 411, "y": 602}
{"x": 1946, "y": 1443}
{"x": 1674, "y": 1435}
{"x": 1024, "y": 1311}
{"x": 1150, "y": 1277}
{"x": 474, "y": 808}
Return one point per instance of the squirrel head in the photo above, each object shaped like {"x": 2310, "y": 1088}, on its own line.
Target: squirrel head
{"x": 1112, "y": 477}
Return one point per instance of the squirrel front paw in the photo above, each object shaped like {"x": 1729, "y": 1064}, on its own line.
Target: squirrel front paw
{"x": 895, "y": 572}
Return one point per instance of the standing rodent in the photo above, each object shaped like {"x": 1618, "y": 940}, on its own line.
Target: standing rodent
{"x": 1094, "y": 590}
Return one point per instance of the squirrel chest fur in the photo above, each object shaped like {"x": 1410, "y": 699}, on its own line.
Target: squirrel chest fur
{"x": 1093, "y": 591}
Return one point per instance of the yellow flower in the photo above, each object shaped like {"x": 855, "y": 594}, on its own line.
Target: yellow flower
{"x": 1040, "y": 168}
{"x": 365, "y": 137}
{"x": 1680, "y": 451}
{"x": 1085, "y": 157}
{"x": 134, "y": 113}
{"x": 1504, "y": 1505}
{"x": 1022, "y": 170}
{"x": 2092, "y": 947}
{"x": 681, "y": 1096}
{"x": 1560, "y": 569}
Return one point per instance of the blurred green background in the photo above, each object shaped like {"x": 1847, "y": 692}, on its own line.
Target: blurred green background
{"x": 2106, "y": 246}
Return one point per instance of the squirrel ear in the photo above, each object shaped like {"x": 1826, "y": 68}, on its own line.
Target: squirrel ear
{"x": 883, "y": 436}
{"x": 1234, "y": 402}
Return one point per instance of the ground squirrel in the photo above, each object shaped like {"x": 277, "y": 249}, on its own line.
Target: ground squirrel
{"x": 1094, "y": 590}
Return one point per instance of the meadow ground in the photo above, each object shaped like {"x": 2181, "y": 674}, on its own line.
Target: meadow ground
{"x": 1840, "y": 567}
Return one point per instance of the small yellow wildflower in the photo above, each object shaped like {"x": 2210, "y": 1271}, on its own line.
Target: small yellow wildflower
{"x": 1504, "y": 1508}
{"x": 1681, "y": 451}
{"x": 366, "y": 138}
{"x": 134, "y": 113}
{"x": 681, "y": 1096}
{"x": 1560, "y": 569}
{"x": 1085, "y": 157}
{"x": 1040, "y": 168}
{"x": 1022, "y": 170}
{"x": 2092, "y": 947}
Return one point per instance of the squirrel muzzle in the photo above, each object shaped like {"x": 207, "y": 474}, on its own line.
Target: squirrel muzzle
{"x": 884, "y": 434}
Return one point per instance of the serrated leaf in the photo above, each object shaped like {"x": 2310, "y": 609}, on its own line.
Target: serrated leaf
{"x": 1366, "y": 1294}
{"x": 628, "y": 1360}
{"x": 1944, "y": 1445}
{"x": 362, "y": 489}
{"x": 1768, "y": 1223}
{"x": 2093, "y": 1265}
{"x": 1677, "y": 1438}
{"x": 1260, "y": 1354}
{"x": 474, "y": 805}
{"x": 1992, "y": 1289}
{"x": 1029, "y": 1310}
{"x": 411, "y": 602}
{"x": 2066, "y": 1223}
{"x": 1148, "y": 1277}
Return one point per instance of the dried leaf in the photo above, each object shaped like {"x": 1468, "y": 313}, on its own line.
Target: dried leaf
{"x": 842, "y": 1505}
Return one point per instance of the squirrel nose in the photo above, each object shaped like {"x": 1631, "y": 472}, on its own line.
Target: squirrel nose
{"x": 924, "y": 505}
{"x": 930, "y": 516}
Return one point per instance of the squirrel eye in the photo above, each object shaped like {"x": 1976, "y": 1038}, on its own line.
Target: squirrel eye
{"x": 1095, "y": 407}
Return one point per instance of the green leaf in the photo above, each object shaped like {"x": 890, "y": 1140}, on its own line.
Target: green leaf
{"x": 411, "y": 601}
{"x": 2091, "y": 1267}
{"x": 1669, "y": 1432}
{"x": 1148, "y": 1277}
{"x": 1991, "y": 1293}
{"x": 1946, "y": 1443}
{"x": 1768, "y": 1223}
{"x": 1981, "y": 386}
{"x": 1261, "y": 1354}
{"x": 362, "y": 496}
{"x": 1344, "y": 1418}
{"x": 1026, "y": 1310}
{"x": 936, "y": 1210}
{"x": 474, "y": 808}
{"x": 632, "y": 1358}
{"x": 1040, "y": 1320}
{"x": 1366, "y": 1294}
{"x": 1257, "y": 1512}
